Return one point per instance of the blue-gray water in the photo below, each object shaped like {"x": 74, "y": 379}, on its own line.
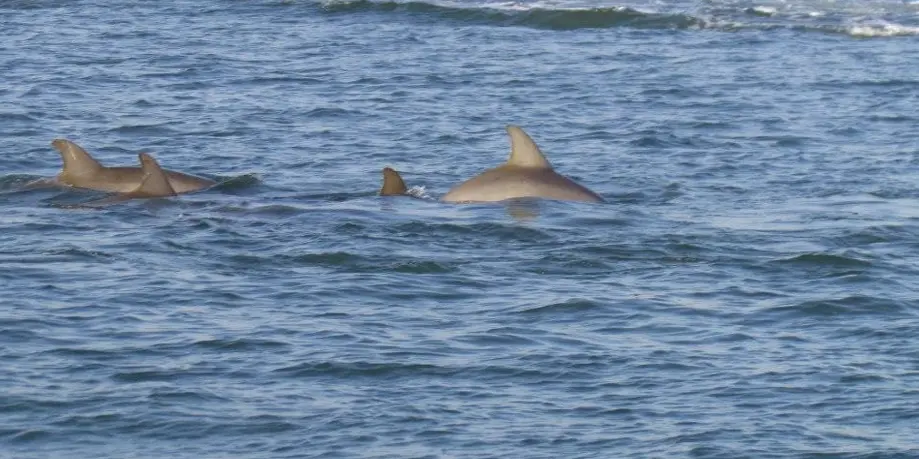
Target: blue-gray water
{"x": 748, "y": 290}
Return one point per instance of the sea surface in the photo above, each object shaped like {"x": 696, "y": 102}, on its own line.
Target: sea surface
{"x": 749, "y": 289}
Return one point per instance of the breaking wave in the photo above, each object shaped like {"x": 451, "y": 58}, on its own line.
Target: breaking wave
{"x": 536, "y": 17}
{"x": 733, "y": 19}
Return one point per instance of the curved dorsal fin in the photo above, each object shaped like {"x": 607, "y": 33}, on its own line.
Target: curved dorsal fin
{"x": 155, "y": 183}
{"x": 524, "y": 152}
{"x": 76, "y": 160}
{"x": 392, "y": 183}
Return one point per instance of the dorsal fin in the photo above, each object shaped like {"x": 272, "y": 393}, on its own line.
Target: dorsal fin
{"x": 392, "y": 183}
{"x": 77, "y": 162}
{"x": 155, "y": 183}
{"x": 524, "y": 152}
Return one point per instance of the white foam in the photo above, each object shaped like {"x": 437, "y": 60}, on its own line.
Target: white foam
{"x": 882, "y": 30}
{"x": 418, "y": 191}
{"x": 767, "y": 10}
{"x": 540, "y": 5}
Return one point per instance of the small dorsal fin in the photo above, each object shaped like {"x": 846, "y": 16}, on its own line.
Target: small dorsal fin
{"x": 392, "y": 183}
{"x": 524, "y": 152}
{"x": 77, "y": 162}
{"x": 155, "y": 183}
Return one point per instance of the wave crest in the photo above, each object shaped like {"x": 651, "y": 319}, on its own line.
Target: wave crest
{"x": 536, "y": 17}
{"x": 729, "y": 19}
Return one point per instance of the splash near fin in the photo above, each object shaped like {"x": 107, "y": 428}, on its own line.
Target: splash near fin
{"x": 524, "y": 152}
{"x": 392, "y": 183}
{"x": 154, "y": 183}
{"x": 77, "y": 161}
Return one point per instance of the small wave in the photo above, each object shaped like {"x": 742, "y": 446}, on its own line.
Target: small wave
{"x": 330, "y": 112}
{"x": 762, "y": 11}
{"x": 565, "y": 307}
{"x": 826, "y": 259}
{"x": 537, "y": 17}
{"x": 23, "y": 182}
{"x": 846, "y": 306}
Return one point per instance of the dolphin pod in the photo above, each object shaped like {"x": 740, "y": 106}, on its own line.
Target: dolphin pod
{"x": 526, "y": 174}
{"x": 81, "y": 170}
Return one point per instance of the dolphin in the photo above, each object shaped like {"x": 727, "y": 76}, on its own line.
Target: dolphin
{"x": 526, "y": 174}
{"x": 393, "y": 185}
{"x": 154, "y": 184}
{"x": 82, "y": 171}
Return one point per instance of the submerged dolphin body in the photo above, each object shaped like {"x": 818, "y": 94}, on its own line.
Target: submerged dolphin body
{"x": 82, "y": 171}
{"x": 526, "y": 174}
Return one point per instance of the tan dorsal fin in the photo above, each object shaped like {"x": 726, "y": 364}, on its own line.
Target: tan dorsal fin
{"x": 77, "y": 162}
{"x": 524, "y": 152}
{"x": 392, "y": 183}
{"x": 155, "y": 183}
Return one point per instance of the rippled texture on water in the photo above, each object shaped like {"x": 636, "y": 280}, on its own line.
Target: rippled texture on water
{"x": 748, "y": 290}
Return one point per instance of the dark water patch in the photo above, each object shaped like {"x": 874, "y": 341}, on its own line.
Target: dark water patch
{"x": 280, "y": 80}
{"x": 80, "y": 353}
{"x": 333, "y": 259}
{"x": 25, "y": 435}
{"x": 569, "y": 264}
{"x": 355, "y": 263}
{"x": 14, "y": 183}
{"x": 826, "y": 261}
{"x": 19, "y": 335}
{"x": 421, "y": 267}
{"x": 890, "y": 118}
{"x": 364, "y": 369}
{"x": 497, "y": 338}
{"x": 570, "y": 307}
{"x": 331, "y": 112}
{"x": 863, "y": 379}
{"x": 68, "y": 254}
{"x": 145, "y": 376}
{"x": 270, "y": 210}
{"x": 14, "y": 5}
{"x": 390, "y": 371}
{"x": 669, "y": 366}
{"x": 11, "y": 117}
{"x": 157, "y": 129}
{"x": 237, "y": 183}
{"x": 875, "y": 235}
{"x": 192, "y": 397}
{"x": 855, "y": 305}
{"x": 882, "y": 453}
{"x": 242, "y": 344}
{"x": 501, "y": 232}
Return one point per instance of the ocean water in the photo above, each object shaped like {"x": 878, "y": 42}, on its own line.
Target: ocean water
{"x": 749, "y": 289}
